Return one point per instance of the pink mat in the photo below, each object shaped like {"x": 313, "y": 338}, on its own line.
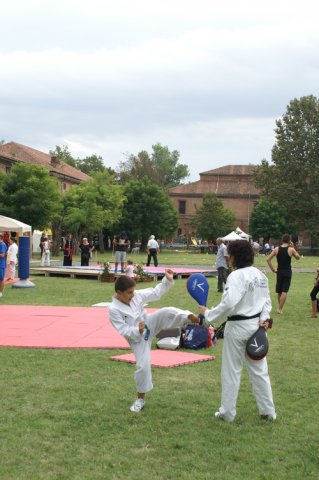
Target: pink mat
{"x": 57, "y": 327}
{"x": 167, "y": 358}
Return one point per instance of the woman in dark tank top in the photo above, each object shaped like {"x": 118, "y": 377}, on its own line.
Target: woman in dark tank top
{"x": 284, "y": 253}
{"x": 283, "y": 259}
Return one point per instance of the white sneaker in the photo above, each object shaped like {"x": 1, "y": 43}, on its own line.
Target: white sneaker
{"x": 221, "y": 416}
{"x": 269, "y": 417}
{"x": 1, "y": 294}
{"x": 137, "y": 405}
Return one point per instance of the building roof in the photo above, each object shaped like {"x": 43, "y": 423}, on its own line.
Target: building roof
{"x": 21, "y": 153}
{"x": 231, "y": 170}
{"x": 231, "y": 180}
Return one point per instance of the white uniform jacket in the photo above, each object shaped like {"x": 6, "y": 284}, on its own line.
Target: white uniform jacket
{"x": 125, "y": 318}
{"x": 246, "y": 293}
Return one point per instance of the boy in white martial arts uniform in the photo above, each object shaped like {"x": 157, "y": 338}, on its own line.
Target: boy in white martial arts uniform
{"x": 128, "y": 316}
{"x": 245, "y": 305}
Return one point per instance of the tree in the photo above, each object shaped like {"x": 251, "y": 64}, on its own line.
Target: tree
{"x": 167, "y": 165}
{"x": 212, "y": 219}
{"x": 30, "y": 195}
{"x": 269, "y": 219}
{"x": 161, "y": 167}
{"x": 293, "y": 177}
{"x": 90, "y": 165}
{"x": 148, "y": 210}
{"x": 64, "y": 154}
{"x": 93, "y": 205}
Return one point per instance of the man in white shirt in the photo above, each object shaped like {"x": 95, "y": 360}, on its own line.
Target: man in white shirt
{"x": 152, "y": 249}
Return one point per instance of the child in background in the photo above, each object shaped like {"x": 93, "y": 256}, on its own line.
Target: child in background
{"x": 129, "y": 270}
{"x": 128, "y": 316}
{"x": 313, "y": 296}
{"x": 12, "y": 258}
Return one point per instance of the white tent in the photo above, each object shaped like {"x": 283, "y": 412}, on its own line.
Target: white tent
{"x": 242, "y": 234}
{"x": 11, "y": 225}
{"x": 231, "y": 236}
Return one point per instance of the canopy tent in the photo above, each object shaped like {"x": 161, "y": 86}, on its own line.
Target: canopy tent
{"x": 243, "y": 235}
{"x": 11, "y": 225}
{"x": 231, "y": 236}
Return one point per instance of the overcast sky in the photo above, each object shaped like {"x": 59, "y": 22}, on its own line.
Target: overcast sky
{"x": 207, "y": 78}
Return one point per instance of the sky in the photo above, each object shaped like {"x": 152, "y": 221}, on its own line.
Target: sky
{"x": 207, "y": 78}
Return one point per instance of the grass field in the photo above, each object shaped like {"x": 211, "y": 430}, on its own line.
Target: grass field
{"x": 65, "y": 413}
{"x": 183, "y": 257}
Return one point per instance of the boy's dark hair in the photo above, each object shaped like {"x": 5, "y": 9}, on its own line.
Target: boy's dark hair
{"x": 242, "y": 253}
{"x": 124, "y": 283}
{"x": 286, "y": 238}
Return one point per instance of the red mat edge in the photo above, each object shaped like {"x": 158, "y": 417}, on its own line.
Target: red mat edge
{"x": 206, "y": 358}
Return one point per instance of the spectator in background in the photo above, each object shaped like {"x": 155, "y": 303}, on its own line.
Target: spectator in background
{"x": 41, "y": 240}
{"x": 221, "y": 264}
{"x": 130, "y": 268}
{"x": 121, "y": 244}
{"x": 67, "y": 250}
{"x": 45, "y": 258}
{"x": 86, "y": 250}
{"x": 313, "y": 296}
{"x": 284, "y": 254}
{"x": 256, "y": 247}
{"x": 152, "y": 249}
{"x": 3, "y": 263}
{"x": 267, "y": 248}
{"x": 12, "y": 259}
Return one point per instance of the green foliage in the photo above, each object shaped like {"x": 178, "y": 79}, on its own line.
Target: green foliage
{"x": 93, "y": 205}
{"x": 64, "y": 154}
{"x": 30, "y": 195}
{"x": 147, "y": 211}
{"x": 166, "y": 162}
{"x": 212, "y": 219}
{"x": 161, "y": 167}
{"x": 269, "y": 219}
{"x": 90, "y": 165}
{"x": 293, "y": 177}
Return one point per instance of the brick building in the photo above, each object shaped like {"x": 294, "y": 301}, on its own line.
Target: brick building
{"x": 11, "y": 153}
{"x": 233, "y": 184}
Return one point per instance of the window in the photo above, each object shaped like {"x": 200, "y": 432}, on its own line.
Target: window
{"x": 8, "y": 170}
{"x": 182, "y": 206}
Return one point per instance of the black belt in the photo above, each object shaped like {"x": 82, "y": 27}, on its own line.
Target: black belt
{"x": 243, "y": 317}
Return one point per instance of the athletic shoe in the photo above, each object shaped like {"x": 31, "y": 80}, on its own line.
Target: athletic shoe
{"x": 269, "y": 418}
{"x": 137, "y": 405}
{"x": 122, "y": 271}
{"x": 1, "y": 294}
{"x": 219, "y": 416}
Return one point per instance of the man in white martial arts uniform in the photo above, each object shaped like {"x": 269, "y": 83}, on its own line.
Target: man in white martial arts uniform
{"x": 245, "y": 305}
{"x": 128, "y": 316}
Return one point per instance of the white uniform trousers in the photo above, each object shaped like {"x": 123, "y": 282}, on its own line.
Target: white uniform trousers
{"x": 234, "y": 354}
{"x": 169, "y": 317}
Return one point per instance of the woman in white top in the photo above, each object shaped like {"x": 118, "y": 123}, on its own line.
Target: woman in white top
{"x": 12, "y": 258}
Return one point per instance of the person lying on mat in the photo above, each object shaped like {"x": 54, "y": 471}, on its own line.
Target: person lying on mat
{"x": 128, "y": 316}
{"x": 245, "y": 305}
